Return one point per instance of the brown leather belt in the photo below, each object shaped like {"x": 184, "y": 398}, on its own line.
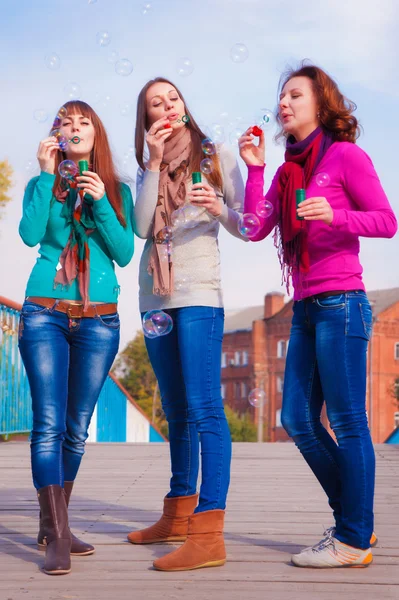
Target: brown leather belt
{"x": 73, "y": 309}
{"x": 324, "y": 295}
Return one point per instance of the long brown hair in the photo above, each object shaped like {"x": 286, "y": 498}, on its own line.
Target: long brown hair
{"x": 197, "y": 135}
{"x": 100, "y": 159}
{"x": 335, "y": 110}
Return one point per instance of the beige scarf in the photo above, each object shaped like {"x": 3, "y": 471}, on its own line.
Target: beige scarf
{"x": 171, "y": 195}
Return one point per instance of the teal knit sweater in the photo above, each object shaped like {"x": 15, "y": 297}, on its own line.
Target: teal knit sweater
{"x": 43, "y": 224}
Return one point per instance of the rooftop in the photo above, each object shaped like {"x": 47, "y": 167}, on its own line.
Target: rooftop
{"x": 241, "y": 319}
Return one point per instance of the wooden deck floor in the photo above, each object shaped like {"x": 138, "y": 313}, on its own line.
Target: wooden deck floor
{"x": 275, "y": 508}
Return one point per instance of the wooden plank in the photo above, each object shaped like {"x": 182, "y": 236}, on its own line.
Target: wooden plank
{"x": 275, "y": 507}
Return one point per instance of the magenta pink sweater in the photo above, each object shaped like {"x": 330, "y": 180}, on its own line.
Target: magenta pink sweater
{"x": 360, "y": 207}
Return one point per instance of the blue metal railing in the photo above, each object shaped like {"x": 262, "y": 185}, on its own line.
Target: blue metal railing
{"x": 15, "y": 399}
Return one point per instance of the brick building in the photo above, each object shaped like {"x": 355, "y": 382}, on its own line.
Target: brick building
{"x": 254, "y": 350}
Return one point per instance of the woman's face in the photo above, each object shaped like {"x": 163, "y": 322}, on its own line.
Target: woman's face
{"x": 78, "y": 126}
{"x": 298, "y": 108}
{"x": 162, "y": 100}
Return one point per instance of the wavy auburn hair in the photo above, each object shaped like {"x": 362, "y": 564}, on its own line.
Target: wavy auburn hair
{"x": 101, "y": 161}
{"x": 334, "y": 108}
{"x": 197, "y": 135}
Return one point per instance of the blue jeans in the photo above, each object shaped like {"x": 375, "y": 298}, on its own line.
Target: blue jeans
{"x": 67, "y": 363}
{"x": 187, "y": 364}
{"x": 326, "y": 361}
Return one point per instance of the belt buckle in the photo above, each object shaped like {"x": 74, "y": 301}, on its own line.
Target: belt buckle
{"x": 70, "y": 309}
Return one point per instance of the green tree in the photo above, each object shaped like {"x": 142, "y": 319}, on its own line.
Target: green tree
{"x": 134, "y": 371}
{"x": 5, "y": 182}
{"x": 242, "y": 428}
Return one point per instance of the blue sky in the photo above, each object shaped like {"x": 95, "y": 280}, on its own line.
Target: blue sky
{"x": 355, "y": 41}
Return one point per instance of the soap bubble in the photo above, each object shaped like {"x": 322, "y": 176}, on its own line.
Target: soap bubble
{"x": 165, "y": 235}
{"x": 103, "y": 38}
{"x": 184, "y": 67}
{"x": 52, "y": 61}
{"x": 239, "y": 53}
{"x": 206, "y": 166}
{"x": 248, "y": 225}
{"x": 208, "y": 147}
{"x": 268, "y": 117}
{"x": 216, "y": 133}
{"x": 264, "y": 209}
{"x": 322, "y": 179}
{"x": 186, "y": 217}
{"x": 67, "y": 169}
{"x": 156, "y": 323}
{"x": 113, "y": 57}
{"x": 72, "y": 90}
{"x": 185, "y": 118}
{"x": 265, "y": 118}
{"x": 40, "y": 115}
{"x": 235, "y": 135}
{"x": 61, "y": 139}
{"x": 62, "y": 113}
{"x": 182, "y": 285}
{"x": 164, "y": 253}
{"x": 192, "y": 214}
{"x": 256, "y": 397}
{"x": 105, "y": 101}
{"x": 126, "y": 109}
{"x": 146, "y": 8}
{"x": 30, "y": 166}
{"x": 123, "y": 67}
{"x": 178, "y": 218}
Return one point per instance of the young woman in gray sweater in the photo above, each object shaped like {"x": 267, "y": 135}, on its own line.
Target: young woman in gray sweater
{"x": 182, "y": 278}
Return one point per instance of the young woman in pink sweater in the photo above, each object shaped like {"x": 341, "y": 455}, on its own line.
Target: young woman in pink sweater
{"x": 318, "y": 247}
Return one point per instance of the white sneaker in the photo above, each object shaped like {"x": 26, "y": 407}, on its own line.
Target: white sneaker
{"x": 330, "y": 532}
{"x": 330, "y": 553}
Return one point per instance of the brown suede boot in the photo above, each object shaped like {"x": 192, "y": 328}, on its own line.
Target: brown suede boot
{"x": 204, "y": 546}
{"x": 78, "y": 548}
{"x": 172, "y": 526}
{"x": 55, "y": 530}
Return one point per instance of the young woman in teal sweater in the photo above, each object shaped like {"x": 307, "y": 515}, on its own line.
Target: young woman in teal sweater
{"x": 69, "y": 328}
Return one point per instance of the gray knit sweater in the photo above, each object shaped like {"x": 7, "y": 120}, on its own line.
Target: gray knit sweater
{"x": 195, "y": 252}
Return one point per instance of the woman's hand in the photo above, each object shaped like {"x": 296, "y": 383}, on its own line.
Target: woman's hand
{"x": 46, "y": 154}
{"x": 316, "y": 209}
{"x": 204, "y": 195}
{"x": 251, "y": 154}
{"x": 91, "y": 184}
{"x": 155, "y": 138}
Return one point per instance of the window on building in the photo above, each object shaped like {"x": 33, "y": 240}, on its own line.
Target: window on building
{"x": 397, "y": 351}
{"x": 281, "y": 349}
{"x": 280, "y": 384}
{"x": 244, "y": 358}
{"x": 237, "y": 390}
{"x": 278, "y": 417}
{"x": 223, "y": 391}
{"x": 237, "y": 357}
{"x": 244, "y": 390}
{"x": 224, "y": 360}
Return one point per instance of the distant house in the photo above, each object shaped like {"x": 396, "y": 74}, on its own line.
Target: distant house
{"x": 255, "y": 346}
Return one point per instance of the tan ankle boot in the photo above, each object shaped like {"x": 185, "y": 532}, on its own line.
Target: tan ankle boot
{"x": 172, "y": 526}
{"x": 204, "y": 546}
